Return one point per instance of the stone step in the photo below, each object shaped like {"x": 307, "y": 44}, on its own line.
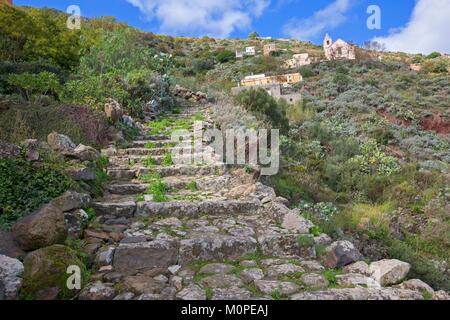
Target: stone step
{"x": 157, "y": 144}
{"x": 123, "y": 208}
{"x": 172, "y": 182}
{"x": 144, "y": 151}
{"x": 122, "y": 174}
{"x": 159, "y": 137}
{"x": 185, "y": 170}
{"x": 190, "y": 209}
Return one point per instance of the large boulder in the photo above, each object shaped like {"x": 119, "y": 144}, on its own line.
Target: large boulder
{"x": 113, "y": 110}
{"x": 86, "y": 153}
{"x": 60, "y": 143}
{"x": 389, "y": 271}
{"x": 10, "y": 277}
{"x": 46, "y": 271}
{"x": 71, "y": 200}
{"x": 44, "y": 227}
{"x": 341, "y": 253}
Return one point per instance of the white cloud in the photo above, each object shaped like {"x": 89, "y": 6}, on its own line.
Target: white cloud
{"x": 426, "y": 31}
{"x": 321, "y": 21}
{"x": 218, "y": 18}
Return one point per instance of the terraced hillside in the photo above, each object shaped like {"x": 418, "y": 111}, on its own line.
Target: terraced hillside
{"x": 210, "y": 231}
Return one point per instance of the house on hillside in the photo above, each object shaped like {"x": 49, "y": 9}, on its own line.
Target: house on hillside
{"x": 269, "y": 48}
{"x": 10, "y": 2}
{"x": 262, "y": 79}
{"x": 250, "y": 51}
{"x": 276, "y": 90}
{"x": 339, "y": 50}
{"x": 297, "y": 60}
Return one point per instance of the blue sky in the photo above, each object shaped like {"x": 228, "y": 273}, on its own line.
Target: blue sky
{"x": 402, "y": 21}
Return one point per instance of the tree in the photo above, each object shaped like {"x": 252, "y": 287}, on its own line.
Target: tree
{"x": 262, "y": 105}
{"x": 35, "y": 84}
{"x": 253, "y": 35}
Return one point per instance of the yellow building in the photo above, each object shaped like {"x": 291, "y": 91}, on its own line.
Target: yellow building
{"x": 261, "y": 79}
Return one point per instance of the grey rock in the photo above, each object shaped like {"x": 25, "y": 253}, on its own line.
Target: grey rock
{"x": 359, "y": 294}
{"x": 287, "y": 269}
{"x": 416, "y": 285}
{"x": 42, "y": 228}
{"x": 105, "y": 256}
{"x": 85, "y": 153}
{"x": 97, "y": 291}
{"x": 192, "y": 292}
{"x": 71, "y": 200}
{"x": 360, "y": 267}
{"x": 134, "y": 256}
{"x": 356, "y": 280}
{"x": 296, "y": 223}
{"x": 76, "y": 222}
{"x": 284, "y": 288}
{"x": 81, "y": 173}
{"x": 11, "y": 271}
{"x": 216, "y": 268}
{"x": 251, "y": 274}
{"x": 233, "y": 293}
{"x": 314, "y": 281}
{"x": 340, "y": 254}
{"x": 220, "y": 280}
{"x": 389, "y": 271}
{"x": 125, "y": 296}
{"x": 60, "y": 143}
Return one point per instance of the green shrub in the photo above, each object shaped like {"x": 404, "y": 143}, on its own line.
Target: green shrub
{"x": 23, "y": 188}
{"x": 264, "y": 106}
{"x": 224, "y": 56}
{"x": 35, "y": 84}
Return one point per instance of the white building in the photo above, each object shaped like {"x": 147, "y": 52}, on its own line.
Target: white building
{"x": 339, "y": 50}
{"x": 250, "y": 51}
{"x": 298, "y": 60}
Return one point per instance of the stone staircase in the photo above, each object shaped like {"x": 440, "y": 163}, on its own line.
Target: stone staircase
{"x": 214, "y": 233}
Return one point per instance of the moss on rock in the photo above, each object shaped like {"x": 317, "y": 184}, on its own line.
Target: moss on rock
{"x": 46, "y": 268}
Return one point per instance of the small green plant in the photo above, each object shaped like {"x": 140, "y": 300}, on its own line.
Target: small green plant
{"x": 91, "y": 214}
{"x": 158, "y": 190}
{"x": 167, "y": 160}
{"x": 148, "y": 162}
{"x": 198, "y": 117}
{"x": 157, "y": 127}
{"x": 305, "y": 240}
{"x": 330, "y": 275}
{"x": 149, "y": 177}
{"x": 192, "y": 186}
{"x": 276, "y": 294}
{"x": 150, "y": 145}
{"x": 209, "y": 293}
{"x": 315, "y": 231}
{"x": 140, "y": 197}
{"x": 248, "y": 169}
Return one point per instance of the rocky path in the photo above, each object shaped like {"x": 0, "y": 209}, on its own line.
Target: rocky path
{"x": 207, "y": 231}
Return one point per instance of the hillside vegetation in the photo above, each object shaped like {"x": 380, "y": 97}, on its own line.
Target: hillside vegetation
{"x": 365, "y": 155}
